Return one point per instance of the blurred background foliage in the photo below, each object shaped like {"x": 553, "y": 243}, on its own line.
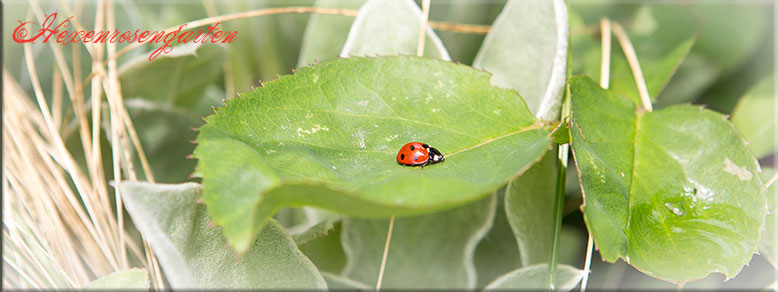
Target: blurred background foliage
{"x": 731, "y": 50}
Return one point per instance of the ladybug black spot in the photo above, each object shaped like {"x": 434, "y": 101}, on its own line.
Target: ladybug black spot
{"x": 412, "y": 148}
{"x": 402, "y": 156}
{"x": 425, "y": 146}
{"x": 416, "y": 158}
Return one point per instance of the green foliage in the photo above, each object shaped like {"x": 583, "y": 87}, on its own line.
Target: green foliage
{"x": 533, "y": 277}
{"x": 496, "y": 254}
{"x": 415, "y": 261}
{"x": 326, "y": 34}
{"x": 328, "y": 137}
{"x": 196, "y": 255}
{"x": 755, "y": 117}
{"x": 660, "y": 45}
{"x": 526, "y": 49}
{"x": 529, "y": 205}
{"x": 135, "y": 279}
{"x": 660, "y": 191}
{"x": 390, "y": 28}
{"x": 165, "y": 99}
{"x": 768, "y": 247}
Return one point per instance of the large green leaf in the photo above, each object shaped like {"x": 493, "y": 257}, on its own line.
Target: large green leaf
{"x": 675, "y": 192}
{"x": 526, "y": 49}
{"x": 534, "y": 278}
{"x": 325, "y": 34}
{"x": 328, "y": 137}
{"x": 431, "y": 251}
{"x": 755, "y": 117}
{"x": 529, "y": 206}
{"x": 196, "y": 255}
{"x": 390, "y": 28}
{"x": 135, "y": 279}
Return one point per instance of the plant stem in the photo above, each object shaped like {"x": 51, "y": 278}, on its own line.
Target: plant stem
{"x": 559, "y": 201}
{"x": 558, "y": 204}
{"x": 634, "y": 65}
{"x": 425, "y": 12}
{"x": 386, "y": 252}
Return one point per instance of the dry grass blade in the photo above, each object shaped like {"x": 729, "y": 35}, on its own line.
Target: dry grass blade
{"x": 56, "y": 238}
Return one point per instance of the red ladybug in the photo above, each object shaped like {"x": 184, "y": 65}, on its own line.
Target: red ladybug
{"x": 418, "y": 154}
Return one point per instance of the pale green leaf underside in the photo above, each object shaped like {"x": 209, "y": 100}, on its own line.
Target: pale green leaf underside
{"x": 768, "y": 247}
{"x": 195, "y": 255}
{"x": 433, "y": 251}
{"x": 755, "y": 116}
{"x": 390, "y": 28}
{"x": 534, "y": 278}
{"x": 526, "y": 49}
{"x": 135, "y": 279}
{"x": 328, "y": 137}
{"x": 529, "y": 206}
{"x": 325, "y": 34}
{"x": 674, "y": 192}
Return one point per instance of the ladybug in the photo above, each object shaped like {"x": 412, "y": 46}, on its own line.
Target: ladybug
{"x": 418, "y": 154}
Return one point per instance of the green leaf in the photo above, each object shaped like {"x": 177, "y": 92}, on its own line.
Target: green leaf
{"x": 534, "y": 277}
{"x": 175, "y": 78}
{"x": 164, "y": 132}
{"x": 730, "y": 45}
{"x": 526, "y": 49}
{"x": 165, "y": 98}
{"x": 318, "y": 223}
{"x": 768, "y": 247}
{"x": 326, "y": 252}
{"x": 135, "y": 279}
{"x": 496, "y": 254}
{"x": 529, "y": 205}
{"x": 674, "y": 192}
{"x": 755, "y": 117}
{"x": 395, "y": 26}
{"x": 325, "y": 34}
{"x": 196, "y": 255}
{"x": 328, "y": 137}
{"x": 427, "y": 252}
